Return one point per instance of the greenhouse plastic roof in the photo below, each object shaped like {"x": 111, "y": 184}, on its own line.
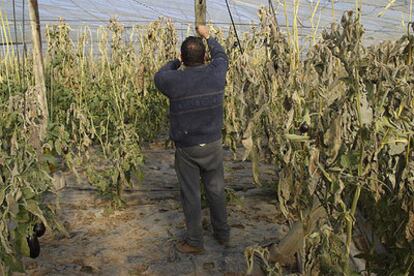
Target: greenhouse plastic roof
{"x": 97, "y": 12}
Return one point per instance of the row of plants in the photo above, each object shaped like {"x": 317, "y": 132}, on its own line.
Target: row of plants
{"x": 25, "y": 175}
{"x": 102, "y": 107}
{"x": 103, "y": 99}
{"x": 338, "y": 125}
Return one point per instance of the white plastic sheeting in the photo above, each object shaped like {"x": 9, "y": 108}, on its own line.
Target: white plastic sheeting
{"x": 95, "y": 13}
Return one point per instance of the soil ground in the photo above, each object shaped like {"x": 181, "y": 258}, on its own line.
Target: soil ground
{"x": 139, "y": 239}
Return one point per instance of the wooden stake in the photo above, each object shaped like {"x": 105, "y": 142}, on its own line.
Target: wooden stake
{"x": 40, "y": 86}
{"x": 200, "y": 12}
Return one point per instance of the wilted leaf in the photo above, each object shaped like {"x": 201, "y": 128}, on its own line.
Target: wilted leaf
{"x": 33, "y": 207}
{"x": 313, "y": 170}
{"x": 396, "y": 148}
{"x": 2, "y": 195}
{"x": 12, "y": 205}
{"x": 366, "y": 113}
{"x": 333, "y": 138}
{"x": 409, "y": 228}
{"x": 248, "y": 145}
{"x": 296, "y": 138}
{"x": 283, "y": 190}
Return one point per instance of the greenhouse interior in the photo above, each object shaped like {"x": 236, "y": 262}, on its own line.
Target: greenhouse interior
{"x": 206, "y": 137}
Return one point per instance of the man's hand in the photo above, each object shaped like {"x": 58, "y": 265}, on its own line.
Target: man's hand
{"x": 203, "y": 31}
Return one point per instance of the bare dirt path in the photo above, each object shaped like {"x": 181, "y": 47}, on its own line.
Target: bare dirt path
{"x": 138, "y": 239}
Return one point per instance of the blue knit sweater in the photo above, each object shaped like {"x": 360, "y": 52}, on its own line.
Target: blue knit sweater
{"x": 196, "y": 98}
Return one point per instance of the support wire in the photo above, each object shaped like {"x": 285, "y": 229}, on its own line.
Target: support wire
{"x": 234, "y": 26}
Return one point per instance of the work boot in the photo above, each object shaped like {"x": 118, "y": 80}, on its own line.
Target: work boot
{"x": 185, "y": 248}
{"x": 225, "y": 243}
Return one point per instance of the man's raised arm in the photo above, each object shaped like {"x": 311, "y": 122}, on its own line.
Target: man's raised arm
{"x": 218, "y": 55}
{"x": 164, "y": 74}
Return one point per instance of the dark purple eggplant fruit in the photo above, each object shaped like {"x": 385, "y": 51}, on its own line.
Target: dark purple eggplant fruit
{"x": 34, "y": 246}
{"x": 304, "y": 128}
{"x": 39, "y": 229}
{"x": 287, "y": 103}
{"x": 65, "y": 150}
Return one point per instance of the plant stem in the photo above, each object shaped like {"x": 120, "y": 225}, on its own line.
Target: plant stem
{"x": 350, "y": 225}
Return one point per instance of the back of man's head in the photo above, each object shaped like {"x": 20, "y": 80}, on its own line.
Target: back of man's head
{"x": 193, "y": 51}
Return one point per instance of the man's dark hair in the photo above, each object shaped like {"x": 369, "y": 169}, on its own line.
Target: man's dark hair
{"x": 193, "y": 51}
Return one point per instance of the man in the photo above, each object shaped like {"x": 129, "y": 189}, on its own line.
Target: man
{"x": 196, "y": 92}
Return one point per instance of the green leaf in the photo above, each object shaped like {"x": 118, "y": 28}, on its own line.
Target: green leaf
{"x": 13, "y": 264}
{"x": 349, "y": 160}
{"x": 49, "y": 158}
{"x": 22, "y": 216}
{"x": 2, "y": 195}
{"x": 23, "y": 247}
{"x": 28, "y": 193}
{"x": 4, "y": 243}
{"x": 58, "y": 147}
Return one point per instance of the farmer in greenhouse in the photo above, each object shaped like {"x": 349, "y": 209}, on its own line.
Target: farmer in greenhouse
{"x": 196, "y": 90}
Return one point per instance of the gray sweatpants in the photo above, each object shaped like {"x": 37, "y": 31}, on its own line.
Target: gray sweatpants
{"x": 205, "y": 163}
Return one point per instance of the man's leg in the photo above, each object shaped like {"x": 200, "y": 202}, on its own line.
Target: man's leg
{"x": 212, "y": 175}
{"x": 188, "y": 174}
